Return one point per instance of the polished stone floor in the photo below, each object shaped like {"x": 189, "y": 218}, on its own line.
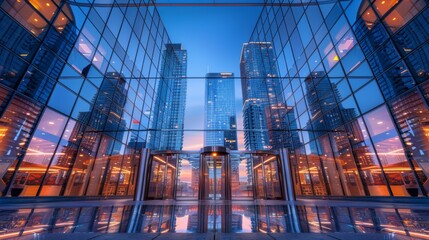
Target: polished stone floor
{"x": 233, "y": 220}
{"x": 215, "y": 236}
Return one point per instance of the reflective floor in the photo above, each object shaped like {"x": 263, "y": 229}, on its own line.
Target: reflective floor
{"x": 33, "y": 221}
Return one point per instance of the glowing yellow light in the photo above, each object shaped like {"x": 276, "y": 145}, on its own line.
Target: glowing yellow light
{"x": 214, "y": 154}
{"x": 394, "y": 19}
{"x": 47, "y": 4}
{"x": 383, "y": 2}
{"x": 36, "y": 20}
{"x": 336, "y": 58}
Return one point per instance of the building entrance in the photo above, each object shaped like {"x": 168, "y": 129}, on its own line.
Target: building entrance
{"x": 214, "y": 177}
{"x": 213, "y": 174}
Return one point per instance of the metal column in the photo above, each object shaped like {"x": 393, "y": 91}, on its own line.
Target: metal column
{"x": 142, "y": 180}
{"x": 288, "y": 188}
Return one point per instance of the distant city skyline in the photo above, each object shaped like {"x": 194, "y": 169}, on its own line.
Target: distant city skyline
{"x": 216, "y": 48}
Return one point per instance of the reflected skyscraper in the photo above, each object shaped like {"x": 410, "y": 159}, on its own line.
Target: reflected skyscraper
{"x": 263, "y": 105}
{"x": 77, "y": 88}
{"x": 219, "y": 111}
{"x": 169, "y": 115}
{"x": 355, "y": 73}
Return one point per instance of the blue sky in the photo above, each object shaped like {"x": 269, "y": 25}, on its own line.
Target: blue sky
{"x": 213, "y": 37}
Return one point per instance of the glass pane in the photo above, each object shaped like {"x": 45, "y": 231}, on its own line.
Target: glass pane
{"x": 170, "y": 178}
{"x": 241, "y": 176}
{"x": 391, "y": 153}
{"x": 104, "y": 155}
{"x": 346, "y": 165}
{"x": 258, "y": 177}
{"x": 39, "y": 153}
{"x": 157, "y": 178}
{"x": 80, "y": 174}
{"x": 25, "y": 15}
{"x": 272, "y": 178}
{"x": 188, "y": 176}
{"x": 372, "y": 174}
{"x": 215, "y": 174}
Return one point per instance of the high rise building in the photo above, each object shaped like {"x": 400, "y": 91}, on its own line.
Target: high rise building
{"x": 355, "y": 73}
{"x": 169, "y": 115}
{"x": 219, "y": 111}
{"x": 262, "y": 98}
{"x": 336, "y": 106}
{"x": 77, "y": 90}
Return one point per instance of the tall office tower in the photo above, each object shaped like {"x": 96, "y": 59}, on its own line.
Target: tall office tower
{"x": 356, "y": 73}
{"x": 262, "y": 98}
{"x": 219, "y": 111}
{"x": 77, "y": 90}
{"x": 168, "y": 118}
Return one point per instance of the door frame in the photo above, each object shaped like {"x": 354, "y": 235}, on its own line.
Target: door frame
{"x": 218, "y": 150}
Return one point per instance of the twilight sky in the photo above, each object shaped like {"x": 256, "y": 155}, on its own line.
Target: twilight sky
{"x": 213, "y": 37}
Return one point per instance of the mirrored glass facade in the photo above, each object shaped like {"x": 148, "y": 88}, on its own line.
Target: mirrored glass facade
{"x": 264, "y": 113}
{"x": 167, "y": 122}
{"x": 86, "y": 87}
{"x": 78, "y": 83}
{"x": 355, "y": 73}
{"x": 220, "y": 121}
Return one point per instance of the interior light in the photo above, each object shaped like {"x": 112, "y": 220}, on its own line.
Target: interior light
{"x": 47, "y": 4}
{"x": 383, "y": 2}
{"x": 214, "y": 154}
{"x": 36, "y": 20}
{"x": 51, "y": 123}
{"x": 394, "y": 19}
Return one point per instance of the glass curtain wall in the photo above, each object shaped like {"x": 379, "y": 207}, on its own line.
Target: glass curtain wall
{"x": 77, "y": 87}
{"x": 355, "y": 73}
{"x": 214, "y": 176}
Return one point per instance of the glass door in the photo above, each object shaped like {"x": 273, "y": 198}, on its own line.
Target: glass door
{"x": 162, "y": 179}
{"x": 215, "y": 187}
{"x": 214, "y": 177}
{"x": 266, "y": 177}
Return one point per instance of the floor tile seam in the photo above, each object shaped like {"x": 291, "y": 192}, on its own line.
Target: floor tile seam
{"x": 94, "y": 237}
{"x": 159, "y": 234}
{"x": 333, "y": 237}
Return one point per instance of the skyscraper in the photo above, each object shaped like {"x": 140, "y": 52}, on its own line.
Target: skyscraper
{"x": 77, "y": 90}
{"x": 170, "y": 102}
{"x": 356, "y": 75}
{"x": 262, "y": 98}
{"x": 219, "y": 112}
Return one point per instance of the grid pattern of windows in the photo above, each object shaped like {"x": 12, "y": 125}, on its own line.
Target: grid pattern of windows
{"x": 264, "y": 114}
{"x": 219, "y": 114}
{"x": 356, "y": 75}
{"x": 169, "y": 109}
{"x": 77, "y": 87}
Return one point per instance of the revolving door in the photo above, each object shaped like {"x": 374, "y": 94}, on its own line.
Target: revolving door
{"x": 214, "y": 174}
